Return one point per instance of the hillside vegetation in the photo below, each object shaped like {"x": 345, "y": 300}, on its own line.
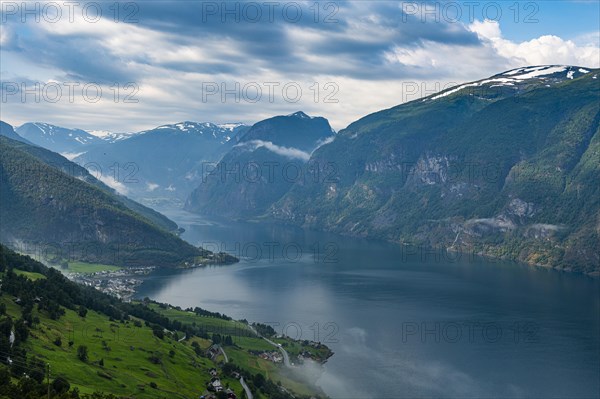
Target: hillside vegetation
{"x": 47, "y": 208}
{"x": 97, "y": 346}
{"x": 506, "y": 167}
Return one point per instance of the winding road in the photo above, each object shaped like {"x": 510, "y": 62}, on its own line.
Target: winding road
{"x": 286, "y": 357}
{"x": 246, "y": 389}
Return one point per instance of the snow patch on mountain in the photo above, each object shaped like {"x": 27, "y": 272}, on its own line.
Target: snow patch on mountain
{"x": 300, "y": 114}
{"x": 230, "y": 126}
{"x": 109, "y": 136}
{"x": 516, "y": 76}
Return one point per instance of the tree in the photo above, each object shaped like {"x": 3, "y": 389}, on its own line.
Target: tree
{"x": 158, "y": 331}
{"x": 82, "y": 353}
{"x": 259, "y": 380}
{"x": 82, "y": 311}
{"x": 60, "y": 385}
{"x": 4, "y": 375}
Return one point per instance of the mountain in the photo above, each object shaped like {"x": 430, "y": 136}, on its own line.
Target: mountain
{"x": 165, "y": 162}
{"x": 507, "y": 166}
{"x": 63, "y": 209}
{"x": 7, "y": 130}
{"x": 56, "y": 138}
{"x": 74, "y": 170}
{"x": 261, "y": 167}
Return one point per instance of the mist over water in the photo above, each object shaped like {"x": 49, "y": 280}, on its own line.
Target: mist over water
{"x": 401, "y": 324}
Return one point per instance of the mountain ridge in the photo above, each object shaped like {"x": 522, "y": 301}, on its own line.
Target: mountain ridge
{"x": 416, "y": 173}
{"x": 44, "y": 206}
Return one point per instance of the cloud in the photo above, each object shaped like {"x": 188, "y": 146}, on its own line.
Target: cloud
{"x": 151, "y": 186}
{"x": 288, "y": 152}
{"x": 547, "y": 49}
{"x": 369, "y": 52}
{"x": 114, "y": 184}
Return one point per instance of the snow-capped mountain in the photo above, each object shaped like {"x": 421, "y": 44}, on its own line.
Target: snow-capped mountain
{"x": 506, "y": 166}
{"x": 223, "y": 132}
{"x": 518, "y": 79}
{"x": 55, "y": 138}
{"x": 164, "y": 162}
{"x": 109, "y": 136}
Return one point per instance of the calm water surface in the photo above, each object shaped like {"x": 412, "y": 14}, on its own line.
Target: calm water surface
{"x": 401, "y": 325}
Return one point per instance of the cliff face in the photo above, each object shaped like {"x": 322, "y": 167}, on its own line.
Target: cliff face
{"x": 508, "y": 167}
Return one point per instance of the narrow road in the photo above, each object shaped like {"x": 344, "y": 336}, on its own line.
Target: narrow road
{"x": 182, "y": 339}
{"x": 224, "y": 354}
{"x": 286, "y": 357}
{"x": 246, "y": 389}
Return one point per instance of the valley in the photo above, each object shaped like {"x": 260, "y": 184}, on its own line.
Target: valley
{"x": 210, "y": 259}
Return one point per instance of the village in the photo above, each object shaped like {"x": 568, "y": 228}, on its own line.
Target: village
{"x": 119, "y": 283}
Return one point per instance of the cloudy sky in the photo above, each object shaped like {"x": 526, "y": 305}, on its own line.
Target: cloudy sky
{"x": 131, "y": 66}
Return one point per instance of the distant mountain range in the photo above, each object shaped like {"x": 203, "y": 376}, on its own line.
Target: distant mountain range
{"x": 166, "y": 162}
{"x": 56, "y": 138}
{"x": 49, "y": 203}
{"x": 185, "y": 149}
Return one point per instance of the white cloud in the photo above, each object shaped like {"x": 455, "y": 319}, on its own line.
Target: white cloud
{"x": 403, "y": 56}
{"x": 151, "y": 186}
{"x": 71, "y": 155}
{"x": 114, "y": 184}
{"x": 287, "y": 152}
{"x": 547, "y": 49}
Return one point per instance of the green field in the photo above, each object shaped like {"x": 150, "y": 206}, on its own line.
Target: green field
{"x": 82, "y": 267}
{"x": 211, "y": 324}
{"x": 125, "y": 358}
{"x": 244, "y": 341}
{"x": 30, "y": 275}
{"x": 125, "y": 351}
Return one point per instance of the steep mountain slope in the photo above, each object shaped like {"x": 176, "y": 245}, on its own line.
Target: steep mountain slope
{"x": 74, "y": 170}
{"x": 44, "y": 206}
{"x": 56, "y": 138}
{"x": 7, "y": 130}
{"x": 507, "y": 166}
{"x": 261, "y": 167}
{"x": 165, "y": 162}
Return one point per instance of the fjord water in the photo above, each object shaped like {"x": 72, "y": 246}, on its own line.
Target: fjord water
{"x": 401, "y": 324}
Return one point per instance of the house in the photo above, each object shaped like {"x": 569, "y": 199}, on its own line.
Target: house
{"x": 216, "y": 384}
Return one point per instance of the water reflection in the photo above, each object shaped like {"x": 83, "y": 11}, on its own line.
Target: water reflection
{"x": 524, "y": 332}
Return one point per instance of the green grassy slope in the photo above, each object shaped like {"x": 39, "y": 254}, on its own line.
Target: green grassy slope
{"x": 132, "y": 350}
